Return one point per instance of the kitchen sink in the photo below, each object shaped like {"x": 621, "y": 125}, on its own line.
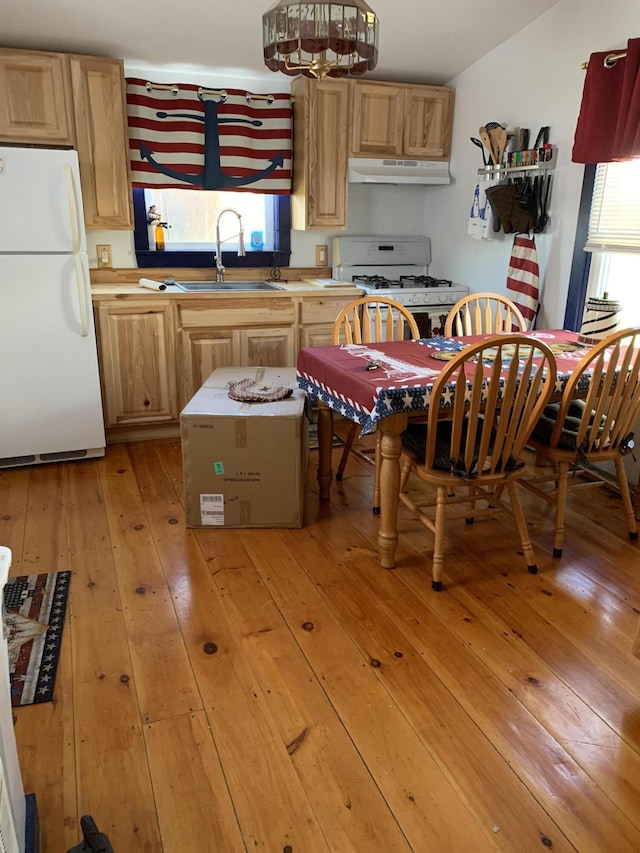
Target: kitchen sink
{"x": 226, "y": 286}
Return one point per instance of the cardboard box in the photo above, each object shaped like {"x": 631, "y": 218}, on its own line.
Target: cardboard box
{"x": 244, "y": 463}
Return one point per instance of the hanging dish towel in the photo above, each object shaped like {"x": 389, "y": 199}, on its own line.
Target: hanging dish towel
{"x": 523, "y": 277}
{"x": 481, "y": 216}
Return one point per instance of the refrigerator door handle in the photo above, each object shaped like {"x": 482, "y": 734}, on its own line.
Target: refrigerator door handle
{"x": 82, "y": 295}
{"x": 73, "y": 208}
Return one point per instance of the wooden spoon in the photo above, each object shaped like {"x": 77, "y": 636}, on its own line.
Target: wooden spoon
{"x": 486, "y": 139}
{"x": 498, "y": 137}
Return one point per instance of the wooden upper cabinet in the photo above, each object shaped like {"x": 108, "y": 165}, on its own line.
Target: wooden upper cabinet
{"x": 377, "y": 120}
{"x": 401, "y": 120}
{"x": 102, "y": 141}
{"x": 35, "y": 98}
{"x": 320, "y": 140}
{"x": 428, "y": 121}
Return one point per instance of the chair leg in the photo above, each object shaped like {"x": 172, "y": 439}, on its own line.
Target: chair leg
{"x": 623, "y": 484}
{"x": 438, "y": 545}
{"x": 518, "y": 514}
{"x": 562, "y": 473}
{"x": 472, "y": 505}
{"x": 404, "y": 474}
{"x": 376, "y": 475}
{"x": 348, "y": 444}
{"x": 540, "y": 458}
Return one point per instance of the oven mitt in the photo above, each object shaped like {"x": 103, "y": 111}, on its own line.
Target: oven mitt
{"x": 521, "y": 220}
{"x": 253, "y": 391}
{"x": 502, "y": 199}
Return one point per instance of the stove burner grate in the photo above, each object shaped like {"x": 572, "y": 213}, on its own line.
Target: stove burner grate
{"x": 379, "y": 282}
{"x": 425, "y": 281}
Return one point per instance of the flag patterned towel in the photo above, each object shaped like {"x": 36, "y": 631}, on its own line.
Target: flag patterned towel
{"x": 523, "y": 277}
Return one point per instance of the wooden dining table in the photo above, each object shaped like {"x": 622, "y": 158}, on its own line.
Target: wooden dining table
{"x": 380, "y": 386}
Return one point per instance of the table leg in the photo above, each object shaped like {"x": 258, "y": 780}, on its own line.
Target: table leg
{"x": 391, "y": 444}
{"x": 325, "y": 445}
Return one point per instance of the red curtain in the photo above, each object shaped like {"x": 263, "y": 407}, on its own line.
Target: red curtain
{"x": 609, "y": 121}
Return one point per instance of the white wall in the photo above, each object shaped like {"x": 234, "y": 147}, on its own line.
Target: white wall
{"x": 533, "y": 79}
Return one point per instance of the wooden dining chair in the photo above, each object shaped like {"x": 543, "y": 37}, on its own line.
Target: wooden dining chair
{"x": 499, "y": 389}
{"x": 371, "y": 319}
{"x": 484, "y": 314}
{"x": 592, "y": 423}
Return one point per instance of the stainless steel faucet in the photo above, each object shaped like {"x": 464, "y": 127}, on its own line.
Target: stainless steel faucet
{"x": 219, "y": 242}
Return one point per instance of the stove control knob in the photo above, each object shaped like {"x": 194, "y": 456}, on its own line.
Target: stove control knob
{"x": 443, "y": 297}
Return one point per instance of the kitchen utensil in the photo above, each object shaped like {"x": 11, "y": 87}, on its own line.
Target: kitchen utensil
{"x": 492, "y": 125}
{"x": 478, "y": 142}
{"x": 498, "y": 137}
{"x": 542, "y": 138}
{"x": 484, "y": 136}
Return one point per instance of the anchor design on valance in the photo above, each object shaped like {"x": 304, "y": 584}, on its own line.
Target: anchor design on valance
{"x": 208, "y": 139}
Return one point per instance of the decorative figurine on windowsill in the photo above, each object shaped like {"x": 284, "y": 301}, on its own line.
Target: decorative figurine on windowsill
{"x": 154, "y": 220}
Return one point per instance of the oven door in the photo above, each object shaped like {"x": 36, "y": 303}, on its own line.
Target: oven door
{"x": 430, "y": 320}
{"x": 389, "y": 316}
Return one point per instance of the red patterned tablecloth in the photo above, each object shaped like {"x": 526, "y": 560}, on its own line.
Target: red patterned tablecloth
{"x": 404, "y": 377}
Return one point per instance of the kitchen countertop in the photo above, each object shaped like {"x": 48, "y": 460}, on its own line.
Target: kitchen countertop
{"x": 119, "y": 290}
{"x": 123, "y": 283}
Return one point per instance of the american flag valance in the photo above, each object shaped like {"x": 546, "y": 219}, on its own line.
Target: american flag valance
{"x": 187, "y": 137}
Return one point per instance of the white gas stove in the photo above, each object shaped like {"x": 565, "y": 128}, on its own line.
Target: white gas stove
{"x": 397, "y": 267}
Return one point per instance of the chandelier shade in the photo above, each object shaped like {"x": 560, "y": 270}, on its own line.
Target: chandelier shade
{"x": 320, "y": 39}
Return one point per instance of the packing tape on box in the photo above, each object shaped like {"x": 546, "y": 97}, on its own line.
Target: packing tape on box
{"x": 151, "y": 284}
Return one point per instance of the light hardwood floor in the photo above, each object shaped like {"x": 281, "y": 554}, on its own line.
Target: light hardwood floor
{"x": 276, "y": 690}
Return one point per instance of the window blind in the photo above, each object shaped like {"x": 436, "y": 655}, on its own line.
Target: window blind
{"x": 614, "y": 223}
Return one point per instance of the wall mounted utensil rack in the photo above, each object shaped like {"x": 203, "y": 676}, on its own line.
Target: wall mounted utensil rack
{"x": 503, "y": 170}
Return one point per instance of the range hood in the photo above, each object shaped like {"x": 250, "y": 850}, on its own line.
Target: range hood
{"x": 389, "y": 171}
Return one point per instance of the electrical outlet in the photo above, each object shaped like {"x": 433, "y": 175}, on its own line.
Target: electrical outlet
{"x": 322, "y": 256}
{"x": 104, "y": 257}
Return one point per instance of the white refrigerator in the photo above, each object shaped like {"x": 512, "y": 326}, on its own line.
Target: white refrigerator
{"x": 50, "y": 401}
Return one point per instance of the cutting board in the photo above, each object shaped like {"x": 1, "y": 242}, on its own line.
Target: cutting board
{"x": 328, "y": 282}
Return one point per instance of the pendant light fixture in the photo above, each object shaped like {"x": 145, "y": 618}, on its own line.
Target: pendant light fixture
{"x": 320, "y": 39}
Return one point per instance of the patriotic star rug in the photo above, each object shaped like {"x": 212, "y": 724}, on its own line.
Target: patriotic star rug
{"x": 35, "y": 607}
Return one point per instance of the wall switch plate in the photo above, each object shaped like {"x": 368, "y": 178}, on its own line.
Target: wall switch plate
{"x": 322, "y": 256}
{"x": 104, "y": 257}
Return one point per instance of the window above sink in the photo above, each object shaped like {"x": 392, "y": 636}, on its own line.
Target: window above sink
{"x": 274, "y": 222}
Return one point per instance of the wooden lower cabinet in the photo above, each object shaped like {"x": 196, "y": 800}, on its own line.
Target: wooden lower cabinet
{"x": 267, "y": 348}
{"x": 138, "y": 365}
{"x": 317, "y": 317}
{"x": 201, "y": 351}
{"x": 316, "y": 335}
{"x": 155, "y": 353}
